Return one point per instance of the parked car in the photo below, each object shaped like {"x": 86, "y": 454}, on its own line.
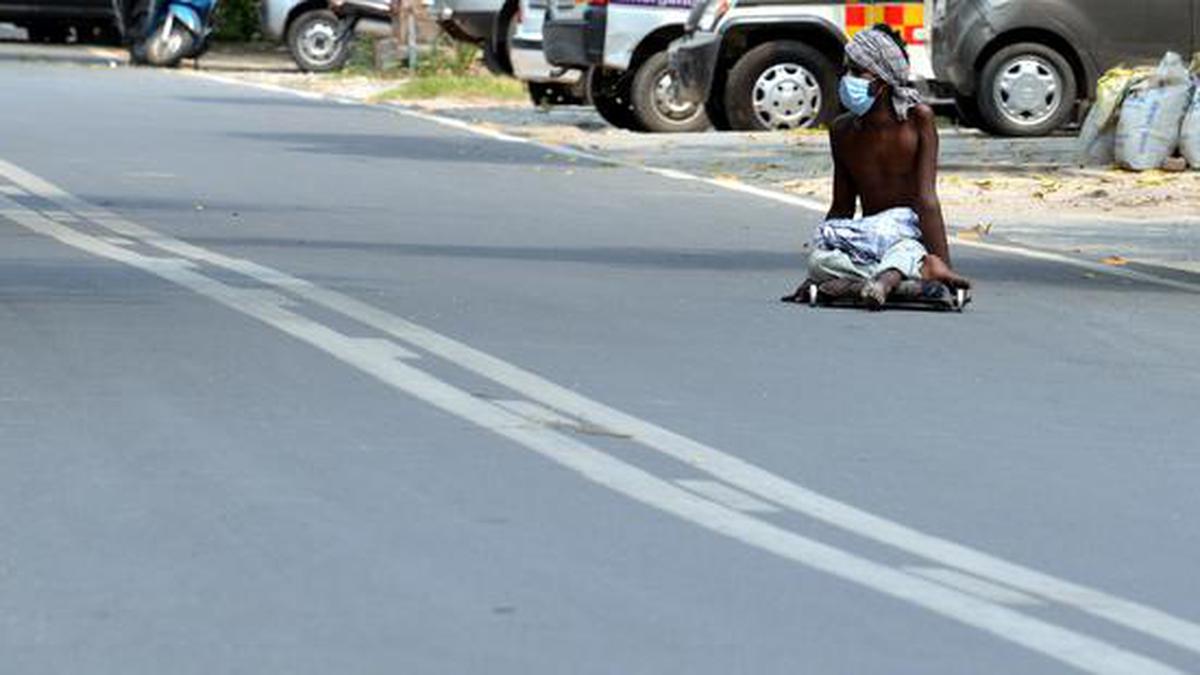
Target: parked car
{"x": 622, "y": 46}
{"x": 58, "y": 20}
{"x": 769, "y": 64}
{"x": 548, "y": 84}
{"x": 1020, "y": 67}
{"x": 317, "y": 37}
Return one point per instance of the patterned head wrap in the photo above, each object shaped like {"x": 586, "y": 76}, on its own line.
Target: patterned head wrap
{"x": 875, "y": 51}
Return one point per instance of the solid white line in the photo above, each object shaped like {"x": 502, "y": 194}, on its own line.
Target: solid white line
{"x": 384, "y": 348}
{"x": 1067, "y": 646}
{"x": 1092, "y": 266}
{"x": 720, "y": 465}
{"x": 727, "y": 496}
{"x": 974, "y": 585}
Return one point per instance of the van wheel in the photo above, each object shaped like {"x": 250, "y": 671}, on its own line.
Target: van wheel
{"x": 609, "y": 92}
{"x": 781, "y": 85}
{"x": 1026, "y": 89}
{"x": 655, "y": 104}
{"x": 313, "y": 40}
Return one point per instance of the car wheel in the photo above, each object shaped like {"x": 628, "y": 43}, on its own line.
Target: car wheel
{"x": 315, "y": 41}
{"x": 654, "y": 102}
{"x": 551, "y": 93}
{"x": 496, "y": 52}
{"x": 609, "y": 92}
{"x": 781, "y": 85}
{"x": 1026, "y": 89}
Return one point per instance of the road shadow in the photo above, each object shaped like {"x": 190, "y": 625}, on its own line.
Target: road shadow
{"x": 983, "y": 268}
{"x": 262, "y": 101}
{"x": 431, "y": 148}
{"x": 607, "y": 256}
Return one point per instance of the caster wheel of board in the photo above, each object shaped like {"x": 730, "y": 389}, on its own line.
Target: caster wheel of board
{"x": 814, "y": 294}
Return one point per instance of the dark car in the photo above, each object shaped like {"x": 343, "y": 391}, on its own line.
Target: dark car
{"x": 58, "y": 20}
{"x": 1021, "y": 67}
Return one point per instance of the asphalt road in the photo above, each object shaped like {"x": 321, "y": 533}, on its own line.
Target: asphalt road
{"x": 296, "y": 387}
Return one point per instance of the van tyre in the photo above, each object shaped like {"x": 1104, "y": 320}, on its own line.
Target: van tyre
{"x": 654, "y": 103}
{"x": 781, "y": 85}
{"x": 609, "y": 93}
{"x": 1026, "y": 89}
{"x": 316, "y": 43}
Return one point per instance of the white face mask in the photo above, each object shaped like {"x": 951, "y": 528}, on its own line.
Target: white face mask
{"x": 855, "y": 93}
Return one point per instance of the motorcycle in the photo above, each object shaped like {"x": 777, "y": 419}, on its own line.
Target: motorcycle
{"x": 165, "y": 32}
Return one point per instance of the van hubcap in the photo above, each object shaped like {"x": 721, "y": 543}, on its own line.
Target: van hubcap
{"x": 787, "y": 96}
{"x": 1028, "y": 90}
{"x": 667, "y": 104}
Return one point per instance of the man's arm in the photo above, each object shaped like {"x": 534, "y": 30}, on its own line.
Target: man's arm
{"x": 928, "y": 207}
{"x": 845, "y": 192}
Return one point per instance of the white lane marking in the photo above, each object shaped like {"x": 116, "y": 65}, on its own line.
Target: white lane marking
{"x": 727, "y": 496}
{"x": 725, "y": 467}
{"x": 974, "y": 585}
{"x": 1069, "y": 647}
{"x": 384, "y": 348}
{"x": 1091, "y": 266}
{"x": 119, "y": 241}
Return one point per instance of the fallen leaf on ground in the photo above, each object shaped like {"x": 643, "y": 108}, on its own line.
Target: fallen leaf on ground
{"x": 1115, "y": 260}
{"x": 1152, "y": 179}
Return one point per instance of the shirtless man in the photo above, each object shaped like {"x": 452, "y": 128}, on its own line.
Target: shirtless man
{"x": 884, "y": 155}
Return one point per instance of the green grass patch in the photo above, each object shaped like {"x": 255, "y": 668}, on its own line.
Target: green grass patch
{"x": 480, "y": 86}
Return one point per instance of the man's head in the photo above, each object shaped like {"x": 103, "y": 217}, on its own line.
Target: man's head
{"x": 877, "y": 66}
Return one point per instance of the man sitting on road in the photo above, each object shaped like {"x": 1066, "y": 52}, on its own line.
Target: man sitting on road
{"x": 884, "y": 154}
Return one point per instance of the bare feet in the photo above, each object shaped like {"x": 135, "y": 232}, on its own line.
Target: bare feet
{"x": 875, "y": 292}
{"x": 874, "y": 295}
{"x": 936, "y": 269}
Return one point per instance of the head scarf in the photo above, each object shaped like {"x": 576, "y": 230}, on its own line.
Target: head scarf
{"x": 875, "y": 51}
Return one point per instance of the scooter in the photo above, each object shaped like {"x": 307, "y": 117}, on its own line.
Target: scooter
{"x": 165, "y": 32}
